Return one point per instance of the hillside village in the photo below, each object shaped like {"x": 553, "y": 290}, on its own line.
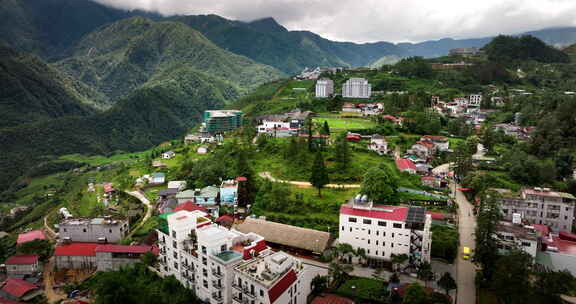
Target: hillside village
{"x": 339, "y": 185}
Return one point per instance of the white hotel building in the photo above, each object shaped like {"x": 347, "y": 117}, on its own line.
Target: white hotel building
{"x": 324, "y": 88}
{"x": 386, "y": 230}
{"x": 356, "y": 88}
{"x": 227, "y": 266}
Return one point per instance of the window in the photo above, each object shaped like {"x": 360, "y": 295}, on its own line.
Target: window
{"x": 203, "y": 249}
{"x": 392, "y": 234}
{"x": 174, "y": 244}
{"x": 175, "y": 255}
{"x": 396, "y": 225}
{"x": 526, "y": 244}
{"x": 175, "y": 265}
{"x": 382, "y": 223}
{"x": 205, "y": 272}
{"x": 377, "y": 232}
{"x": 223, "y": 247}
{"x": 261, "y": 292}
{"x": 376, "y": 242}
{"x": 109, "y": 230}
{"x": 84, "y": 230}
{"x": 368, "y": 251}
{"x": 204, "y": 262}
{"x": 368, "y": 231}
{"x": 352, "y": 219}
{"x": 383, "y": 253}
{"x": 392, "y": 245}
{"x": 342, "y": 228}
{"x": 367, "y": 221}
{"x": 64, "y": 229}
{"x": 205, "y": 283}
{"x": 350, "y": 229}
{"x": 368, "y": 241}
{"x": 173, "y": 234}
{"x": 376, "y": 252}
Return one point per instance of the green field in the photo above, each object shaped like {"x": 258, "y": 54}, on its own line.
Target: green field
{"x": 340, "y": 124}
{"x": 363, "y": 289}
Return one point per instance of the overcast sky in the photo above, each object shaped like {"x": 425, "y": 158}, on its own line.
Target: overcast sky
{"x": 381, "y": 20}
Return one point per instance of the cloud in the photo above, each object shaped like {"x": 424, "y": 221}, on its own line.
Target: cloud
{"x": 381, "y": 20}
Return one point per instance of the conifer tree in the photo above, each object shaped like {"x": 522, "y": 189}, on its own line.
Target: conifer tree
{"x": 319, "y": 177}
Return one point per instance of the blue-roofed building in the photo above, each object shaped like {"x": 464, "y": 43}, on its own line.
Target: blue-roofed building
{"x": 158, "y": 178}
{"x": 206, "y": 196}
{"x": 229, "y": 192}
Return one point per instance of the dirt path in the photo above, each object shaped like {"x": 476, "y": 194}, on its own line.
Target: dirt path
{"x": 269, "y": 177}
{"x": 48, "y": 278}
{"x": 149, "y": 209}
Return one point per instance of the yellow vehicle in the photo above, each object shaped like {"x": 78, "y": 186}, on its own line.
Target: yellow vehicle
{"x": 466, "y": 253}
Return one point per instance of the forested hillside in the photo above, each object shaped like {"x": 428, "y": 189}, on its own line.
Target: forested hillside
{"x": 33, "y": 91}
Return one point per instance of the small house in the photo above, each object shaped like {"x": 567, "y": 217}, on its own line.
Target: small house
{"x": 179, "y": 185}
{"x": 202, "y": 150}
{"x": 190, "y": 139}
{"x": 431, "y": 181}
{"x": 405, "y": 165}
{"x": 22, "y": 265}
{"x": 206, "y": 195}
{"x": 185, "y": 196}
{"x": 229, "y": 192}
{"x": 157, "y": 178}
{"x": 30, "y": 236}
{"x": 353, "y": 137}
{"x": 168, "y": 155}
{"x": 350, "y": 107}
{"x": 158, "y": 164}
{"x": 19, "y": 290}
{"x": 378, "y": 144}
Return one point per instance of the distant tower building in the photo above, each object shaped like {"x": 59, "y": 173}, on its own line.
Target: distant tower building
{"x": 324, "y": 88}
{"x": 220, "y": 121}
{"x": 356, "y": 88}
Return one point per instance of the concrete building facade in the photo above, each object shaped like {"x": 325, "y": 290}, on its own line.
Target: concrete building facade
{"x": 517, "y": 236}
{"x": 324, "y": 88}
{"x": 541, "y": 206}
{"x": 102, "y": 230}
{"x": 21, "y": 265}
{"x": 220, "y": 121}
{"x": 356, "y": 88}
{"x": 227, "y": 266}
{"x": 386, "y": 230}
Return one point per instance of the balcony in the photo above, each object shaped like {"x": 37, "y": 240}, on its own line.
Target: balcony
{"x": 238, "y": 300}
{"x": 217, "y": 297}
{"x": 216, "y": 284}
{"x": 216, "y": 274}
{"x": 237, "y": 287}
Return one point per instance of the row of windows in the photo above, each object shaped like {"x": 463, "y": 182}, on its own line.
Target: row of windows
{"x": 377, "y": 232}
{"x": 369, "y": 222}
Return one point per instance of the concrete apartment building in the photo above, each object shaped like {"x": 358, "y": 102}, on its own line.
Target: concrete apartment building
{"x": 517, "y": 236}
{"x": 324, "y": 88}
{"x": 540, "y": 206}
{"x": 220, "y": 121}
{"x": 356, "y": 88}
{"x": 386, "y": 230}
{"x": 227, "y": 266}
{"x": 96, "y": 230}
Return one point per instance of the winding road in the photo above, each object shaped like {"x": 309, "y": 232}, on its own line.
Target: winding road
{"x": 149, "y": 209}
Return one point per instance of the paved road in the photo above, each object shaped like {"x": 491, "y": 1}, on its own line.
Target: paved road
{"x": 269, "y": 176}
{"x": 148, "y": 205}
{"x": 466, "y": 271}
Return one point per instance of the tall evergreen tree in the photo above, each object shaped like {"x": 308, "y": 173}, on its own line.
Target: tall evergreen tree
{"x": 319, "y": 177}
{"x": 486, "y": 252}
{"x": 326, "y": 128}
{"x": 342, "y": 153}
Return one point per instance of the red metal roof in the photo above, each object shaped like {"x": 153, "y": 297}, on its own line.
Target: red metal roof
{"x": 241, "y": 179}
{"x": 331, "y": 299}
{"x": 17, "y": 288}
{"x": 189, "y": 206}
{"x": 405, "y": 164}
{"x": 22, "y": 260}
{"x": 77, "y": 249}
{"x": 275, "y": 292}
{"x": 4, "y": 301}
{"x": 566, "y": 236}
{"x": 393, "y": 214}
{"x": 30, "y": 236}
{"x": 436, "y": 215}
{"x": 123, "y": 248}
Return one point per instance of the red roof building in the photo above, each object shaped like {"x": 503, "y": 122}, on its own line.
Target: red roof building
{"x": 190, "y": 206}
{"x": 391, "y": 213}
{"x": 77, "y": 249}
{"x": 331, "y": 299}
{"x": 30, "y": 236}
{"x": 277, "y": 290}
{"x": 405, "y": 165}
{"x": 18, "y": 288}
{"x": 124, "y": 249}
{"x": 22, "y": 260}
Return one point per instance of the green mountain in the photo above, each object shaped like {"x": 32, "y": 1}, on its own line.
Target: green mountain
{"x": 509, "y": 49}
{"x": 34, "y": 91}
{"x": 290, "y": 51}
{"x": 49, "y": 27}
{"x": 122, "y": 56}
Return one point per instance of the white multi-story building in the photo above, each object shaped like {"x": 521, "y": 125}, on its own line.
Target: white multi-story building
{"x": 378, "y": 144}
{"x": 324, "y": 88}
{"x": 386, "y": 230}
{"x": 277, "y": 128}
{"x": 227, "y": 266}
{"x": 475, "y": 100}
{"x": 356, "y": 88}
{"x": 102, "y": 230}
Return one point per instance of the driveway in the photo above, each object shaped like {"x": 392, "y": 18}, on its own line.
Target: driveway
{"x": 269, "y": 177}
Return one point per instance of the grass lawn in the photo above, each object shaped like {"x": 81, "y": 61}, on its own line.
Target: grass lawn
{"x": 345, "y": 123}
{"x": 363, "y": 289}
{"x": 98, "y": 160}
